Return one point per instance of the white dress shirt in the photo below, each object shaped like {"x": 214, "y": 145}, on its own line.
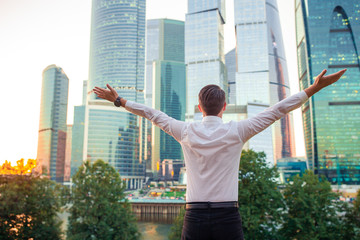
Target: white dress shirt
{"x": 212, "y": 148}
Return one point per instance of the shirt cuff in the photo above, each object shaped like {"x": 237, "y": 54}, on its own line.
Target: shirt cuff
{"x": 303, "y": 96}
{"x": 128, "y": 104}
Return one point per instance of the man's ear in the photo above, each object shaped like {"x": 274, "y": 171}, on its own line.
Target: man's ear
{"x": 224, "y": 108}
{"x": 199, "y": 107}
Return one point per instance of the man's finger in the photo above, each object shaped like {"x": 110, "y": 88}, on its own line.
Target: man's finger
{"x": 322, "y": 73}
{"x": 111, "y": 89}
{"x": 100, "y": 89}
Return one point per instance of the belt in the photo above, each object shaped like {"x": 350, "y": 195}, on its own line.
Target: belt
{"x": 206, "y": 205}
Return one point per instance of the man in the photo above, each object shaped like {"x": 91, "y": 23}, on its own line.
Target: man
{"x": 212, "y": 152}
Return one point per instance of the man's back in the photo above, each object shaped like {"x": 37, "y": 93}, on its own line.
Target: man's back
{"x": 212, "y": 154}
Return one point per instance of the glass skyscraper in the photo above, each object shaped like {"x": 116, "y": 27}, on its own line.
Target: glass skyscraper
{"x": 165, "y": 82}
{"x": 328, "y": 37}
{"x": 52, "y": 127}
{"x": 117, "y": 57}
{"x": 204, "y": 49}
{"x": 67, "y": 167}
{"x": 261, "y": 71}
{"x": 230, "y": 62}
{"x": 77, "y": 143}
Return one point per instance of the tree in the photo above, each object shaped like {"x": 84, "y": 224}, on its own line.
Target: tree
{"x": 176, "y": 228}
{"x": 261, "y": 204}
{"x": 29, "y": 207}
{"x": 352, "y": 221}
{"x": 99, "y": 209}
{"x": 314, "y": 211}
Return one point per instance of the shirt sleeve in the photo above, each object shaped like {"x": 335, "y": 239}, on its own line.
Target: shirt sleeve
{"x": 252, "y": 126}
{"x": 168, "y": 124}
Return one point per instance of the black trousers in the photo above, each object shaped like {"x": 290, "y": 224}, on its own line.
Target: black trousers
{"x": 212, "y": 223}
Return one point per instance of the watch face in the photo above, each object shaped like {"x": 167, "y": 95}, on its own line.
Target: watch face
{"x": 117, "y": 102}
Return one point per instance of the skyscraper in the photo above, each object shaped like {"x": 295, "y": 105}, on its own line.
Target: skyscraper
{"x": 261, "y": 75}
{"x": 165, "y": 82}
{"x": 117, "y": 57}
{"x": 328, "y": 37}
{"x": 52, "y": 127}
{"x": 230, "y": 62}
{"x": 77, "y": 133}
{"x": 204, "y": 49}
{"x": 67, "y": 163}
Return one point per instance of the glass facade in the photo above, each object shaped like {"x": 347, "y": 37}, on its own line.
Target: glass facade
{"x": 113, "y": 136}
{"x": 288, "y": 168}
{"x": 169, "y": 97}
{"x": 261, "y": 71}
{"x": 328, "y": 37}
{"x": 166, "y": 79}
{"x": 230, "y": 62}
{"x": 117, "y": 58}
{"x": 52, "y": 127}
{"x": 204, "y": 49}
{"x": 117, "y": 47}
{"x": 77, "y": 143}
{"x": 67, "y": 168}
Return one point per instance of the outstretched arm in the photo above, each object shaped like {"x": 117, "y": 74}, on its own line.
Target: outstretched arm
{"x": 168, "y": 124}
{"x": 252, "y": 126}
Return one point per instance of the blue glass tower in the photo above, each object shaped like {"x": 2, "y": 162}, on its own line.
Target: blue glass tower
{"x": 165, "y": 82}
{"x": 328, "y": 37}
{"x": 204, "y": 49}
{"x": 261, "y": 72}
{"x": 117, "y": 57}
{"x": 52, "y": 127}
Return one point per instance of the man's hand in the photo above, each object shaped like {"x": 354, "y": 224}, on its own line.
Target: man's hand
{"x": 322, "y": 81}
{"x": 108, "y": 94}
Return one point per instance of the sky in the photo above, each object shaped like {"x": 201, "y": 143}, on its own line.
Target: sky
{"x": 38, "y": 33}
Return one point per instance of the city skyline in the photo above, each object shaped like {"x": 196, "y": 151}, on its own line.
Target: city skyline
{"x": 28, "y": 39}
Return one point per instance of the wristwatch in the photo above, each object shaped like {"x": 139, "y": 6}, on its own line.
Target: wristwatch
{"x": 117, "y": 102}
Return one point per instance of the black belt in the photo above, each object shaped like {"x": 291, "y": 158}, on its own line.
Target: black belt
{"x": 205, "y": 205}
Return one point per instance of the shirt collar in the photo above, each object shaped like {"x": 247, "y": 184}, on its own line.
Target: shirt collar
{"x": 212, "y": 119}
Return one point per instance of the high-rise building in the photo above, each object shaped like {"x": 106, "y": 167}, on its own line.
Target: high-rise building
{"x": 117, "y": 58}
{"x": 230, "y": 63}
{"x": 328, "y": 37}
{"x": 67, "y": 168}
{"x": 165, "y": 82}
{"x": 77, "y": 139}
{"x": 52, "y": 127}
{"x": 204, "y": 49}
{"x": 77, "y": 133}
{"x": 261, "y": 71}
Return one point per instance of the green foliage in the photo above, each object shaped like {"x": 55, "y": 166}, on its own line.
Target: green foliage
{"x": 176, "y": 229}
{"x": 314, "y": 211}
{"x": 352, "y": 224}
{"x": 260, "y": 202}
{"x": 29, "y": 207}
{"x": 99, "y": 209}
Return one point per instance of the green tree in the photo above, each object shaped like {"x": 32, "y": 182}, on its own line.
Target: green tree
{"x": 29, "y": 207}
{"x": 352, "y": 221}
{"x": 176, "y": 228}
{"x": 99, "y": 209}
{"x": 314, "y": 211}
{"x": 261, "y": 204}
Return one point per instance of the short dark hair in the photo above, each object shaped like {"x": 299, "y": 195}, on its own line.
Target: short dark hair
{"x": 211, "y": 99}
